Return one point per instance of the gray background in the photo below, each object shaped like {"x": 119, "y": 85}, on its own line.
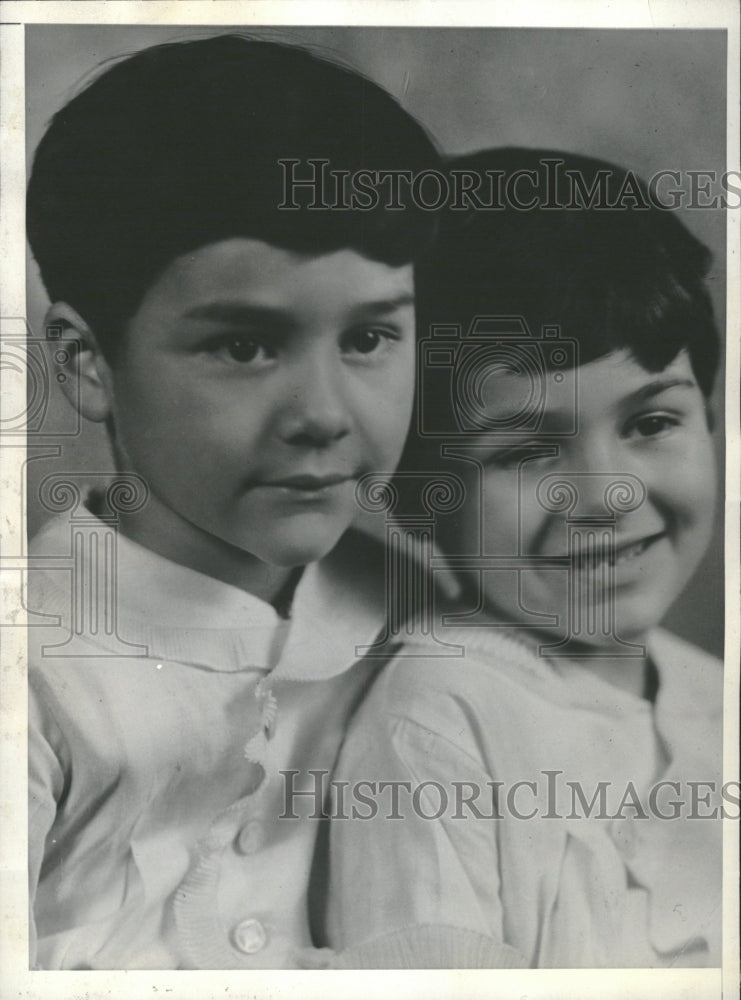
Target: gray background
{"x": 648, "y": 100}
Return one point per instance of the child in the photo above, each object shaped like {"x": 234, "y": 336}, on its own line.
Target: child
{"x": 251, "y": 362}
{"x": 550, "y": 785}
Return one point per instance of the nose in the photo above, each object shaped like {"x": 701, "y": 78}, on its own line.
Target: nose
{"x": 317, "y": 411}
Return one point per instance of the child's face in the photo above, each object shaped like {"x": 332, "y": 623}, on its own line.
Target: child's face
{"x": 650, "y": 425}
{"x": 253, "y": 388}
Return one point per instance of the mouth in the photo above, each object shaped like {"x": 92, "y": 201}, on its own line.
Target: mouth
{"x": 620, "y": 555}
{"x": 309, "y": 487}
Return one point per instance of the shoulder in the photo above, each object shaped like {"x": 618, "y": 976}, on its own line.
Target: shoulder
{"x": 670, "y": 650}
{"x": 696, "y": 672}
{"x": 447, "y": 688}
{"x": 49, "y": 589}
{"x": 52, "y": 539}
{"x": 64, "y": 644}
{"x": 50, "y": 561}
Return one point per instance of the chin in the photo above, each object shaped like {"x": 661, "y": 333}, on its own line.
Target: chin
{"x": 636, "y": 628}
{"x": 288, "y": 552}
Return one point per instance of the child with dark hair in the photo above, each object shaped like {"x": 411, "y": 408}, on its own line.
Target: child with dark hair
{"x": 251, "y": 362}
{"x": 558, "y": 765}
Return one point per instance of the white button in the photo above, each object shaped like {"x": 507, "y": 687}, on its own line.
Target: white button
{"x": 249, "y": 936}
{"x": 251, "y": 837}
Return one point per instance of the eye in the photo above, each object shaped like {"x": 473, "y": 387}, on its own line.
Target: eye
{"x": 511, "y": 458}
{"x": 242, "y": 348}
{"x": 368, "y": 340}
{"x": 651, "y": 425}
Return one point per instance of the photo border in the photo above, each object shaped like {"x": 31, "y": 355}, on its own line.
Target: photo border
{"x": 17, "y": 981}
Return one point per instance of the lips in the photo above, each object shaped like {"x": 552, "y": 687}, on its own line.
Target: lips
{"x": 623, "y": 553}
{"x": 631, "y": 550}
{"x": 310, "y": 483}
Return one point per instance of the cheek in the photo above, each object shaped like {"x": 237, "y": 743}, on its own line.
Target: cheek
{"x": 383, "y": 410}
{"x": 690, "y": 487}
{"x": 512, "y": 517}
{"x": 698, "y": 506}
{"x": 180, "y": 434}
{"x": 457, "y": 532}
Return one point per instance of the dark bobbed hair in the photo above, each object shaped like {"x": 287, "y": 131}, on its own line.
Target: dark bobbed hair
{"x": 610, "y": 278}
{"x": 178, "y": 146}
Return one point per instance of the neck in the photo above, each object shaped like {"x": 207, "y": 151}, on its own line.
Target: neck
{"x": 635, "y": 674}
{"x": 155, "y": 528}
{"x": 627, "y": 673}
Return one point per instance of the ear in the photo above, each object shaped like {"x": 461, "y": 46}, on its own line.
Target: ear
{"x": 83, "y": 374}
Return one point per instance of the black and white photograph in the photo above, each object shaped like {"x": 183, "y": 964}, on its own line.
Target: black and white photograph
{"x": 370, "y": 470}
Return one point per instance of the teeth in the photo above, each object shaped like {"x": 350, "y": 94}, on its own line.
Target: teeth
{"x": 630, "y": 553}
{"x": 613, "y": 557}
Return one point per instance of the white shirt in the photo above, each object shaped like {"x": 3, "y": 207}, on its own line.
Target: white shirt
{"x": 155, "y": 794}
{"x": 564, "y": 892}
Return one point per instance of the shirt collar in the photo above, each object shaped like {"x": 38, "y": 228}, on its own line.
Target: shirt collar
{"x": 180, "y": 614}
{"x": 687, "y": 700}
{"x": 338, "y": 610}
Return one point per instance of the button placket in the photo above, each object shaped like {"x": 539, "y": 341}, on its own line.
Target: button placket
{"x": 256, "y": 747}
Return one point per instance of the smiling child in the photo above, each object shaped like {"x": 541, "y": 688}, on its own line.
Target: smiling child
{"x": 251, "y": 363}
{"x": 563, "y": 776}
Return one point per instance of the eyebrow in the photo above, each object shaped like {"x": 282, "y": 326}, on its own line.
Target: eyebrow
{"x": 378, "y": 307}
{"x": 239, "y": 313}
{"x": 554, "y": 421}
{"x": 658, "y": 386}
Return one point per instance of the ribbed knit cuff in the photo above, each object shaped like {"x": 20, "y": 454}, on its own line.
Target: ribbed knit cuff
{"x": 430, "y": 947}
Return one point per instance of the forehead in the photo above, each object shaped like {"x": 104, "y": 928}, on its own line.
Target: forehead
{"x": 250, "y": 270}
{"x": 590, "y": 389}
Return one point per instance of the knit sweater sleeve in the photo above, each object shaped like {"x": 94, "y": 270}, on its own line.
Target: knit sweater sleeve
{"x": 415, "y": 874}
{"x": 430, "y": 947}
